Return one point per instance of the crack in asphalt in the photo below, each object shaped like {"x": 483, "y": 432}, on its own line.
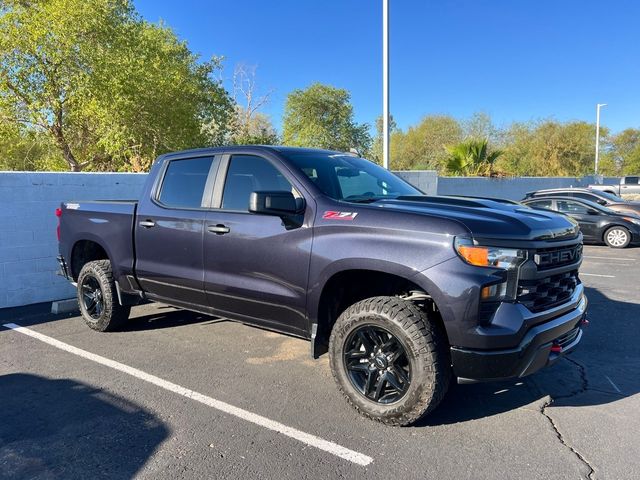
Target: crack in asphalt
{"x": 543, "y": 410}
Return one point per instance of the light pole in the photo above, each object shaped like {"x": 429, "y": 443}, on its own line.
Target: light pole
{"x": 385, "y": 83}
{"x": 598, "y": 106}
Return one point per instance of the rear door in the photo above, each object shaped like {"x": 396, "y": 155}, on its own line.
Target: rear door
{"x": 256, "y": 266}
{"x": 631, "y": 186}
{"x": 169, "y": 230}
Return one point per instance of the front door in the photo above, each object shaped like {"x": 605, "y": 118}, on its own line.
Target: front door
{"x": 169, "y": 231}
{"x": 256, "y": 266}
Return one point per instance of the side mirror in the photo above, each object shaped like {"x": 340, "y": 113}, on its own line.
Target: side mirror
{"x": 275, "y": 202}
{"x": 602, "y": 201}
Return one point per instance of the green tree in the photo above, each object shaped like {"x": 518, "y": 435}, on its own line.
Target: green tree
{"x": 625, "y": 148}
{"x": 472, "y": 158}
{"x": 423, "y": 146}
{"x": 550, "y": 148}
{"x": 321, "y": 116}
{"x": 376, "y": 153}
{"x": 109, "y": 89}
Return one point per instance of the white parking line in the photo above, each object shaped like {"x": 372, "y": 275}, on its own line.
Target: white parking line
{"x": 589, "y": 257}
{"x": 596, "y": 275}
{"x": 306, "y": 438}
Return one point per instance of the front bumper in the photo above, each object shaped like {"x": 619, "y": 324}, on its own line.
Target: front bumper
{"x": 542, "y": 345}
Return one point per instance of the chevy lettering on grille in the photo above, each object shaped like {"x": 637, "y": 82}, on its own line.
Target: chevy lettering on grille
{"x": 568, "y": 255}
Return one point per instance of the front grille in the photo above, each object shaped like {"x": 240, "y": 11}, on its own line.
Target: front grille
{"x": 547, "y": 292}
{"x": 546, "y": 258}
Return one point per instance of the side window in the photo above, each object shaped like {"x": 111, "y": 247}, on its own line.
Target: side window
{"x": 184, "y": 182}
{"x": 571, "y": 207}
{"x": 542, "y": 204}
{"x": 631, "y": 180}
{"x": 246, "y": 174}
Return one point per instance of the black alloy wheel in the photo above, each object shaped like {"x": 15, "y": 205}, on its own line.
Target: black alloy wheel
{"x": 377, "y": 364}
{"x": 92, "y": 297}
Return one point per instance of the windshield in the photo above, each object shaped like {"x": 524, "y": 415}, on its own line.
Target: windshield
{"x": 610, "y": 196}
{"x": 345, "y": 177}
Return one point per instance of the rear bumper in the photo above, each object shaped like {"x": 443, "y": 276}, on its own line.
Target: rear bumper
{"x": 541, "y": 346}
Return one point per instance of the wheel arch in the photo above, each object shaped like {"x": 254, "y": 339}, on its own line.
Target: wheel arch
{"x": 347, "y": 283}
{"x": 83, "y": 251}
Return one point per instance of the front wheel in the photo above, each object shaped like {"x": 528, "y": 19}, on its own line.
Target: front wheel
{"x": 97, "y": 297}
{"x": 390, "y": 360}
{"x": 617, "y": 237}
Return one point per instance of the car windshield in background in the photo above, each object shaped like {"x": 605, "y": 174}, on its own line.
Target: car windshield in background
{"x": 610, "y": 196}
{"x": 345, "y": 177}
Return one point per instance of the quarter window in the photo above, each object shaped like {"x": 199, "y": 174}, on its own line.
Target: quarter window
{"x": 184, "y": 182}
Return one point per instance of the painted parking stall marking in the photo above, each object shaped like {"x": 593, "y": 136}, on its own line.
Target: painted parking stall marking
{"x": 306, "y": 438}
{"x": 596, "y": 275}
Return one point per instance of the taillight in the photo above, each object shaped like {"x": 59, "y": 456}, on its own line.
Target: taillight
{"x": 58, "y": 214}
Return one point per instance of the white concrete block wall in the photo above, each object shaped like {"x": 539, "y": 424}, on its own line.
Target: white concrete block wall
{"x": 28, "y": 243}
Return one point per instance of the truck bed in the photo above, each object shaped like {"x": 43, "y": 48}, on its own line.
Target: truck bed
{"x": 106, "y": 222}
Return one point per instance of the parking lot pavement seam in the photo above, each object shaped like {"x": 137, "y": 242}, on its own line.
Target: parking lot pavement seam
{"x": 549, "y": 401}
{"x": 560, "y": 436}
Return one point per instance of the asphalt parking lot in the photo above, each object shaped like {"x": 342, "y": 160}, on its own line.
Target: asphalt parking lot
{"x": 181, "y": 395}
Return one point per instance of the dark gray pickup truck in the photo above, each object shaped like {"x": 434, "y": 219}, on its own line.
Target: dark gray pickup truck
{"x": 404, "y": 291}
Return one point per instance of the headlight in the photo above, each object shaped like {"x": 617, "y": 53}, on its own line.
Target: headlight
{"x": 485, "y": 256}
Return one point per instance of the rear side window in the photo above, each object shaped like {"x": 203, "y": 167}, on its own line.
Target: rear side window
{"x": 184, "y": 182}
{"x": 246, "y": 174}
{"x": 631, "y": 180}
{"x": 571, "y": 207}
{"x": 541, "y": 204}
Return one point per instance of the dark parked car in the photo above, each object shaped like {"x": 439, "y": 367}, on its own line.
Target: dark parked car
{"x": 406, "y": 292}
{"x": 607, "y": 199}
{"x": 597, "y": 223}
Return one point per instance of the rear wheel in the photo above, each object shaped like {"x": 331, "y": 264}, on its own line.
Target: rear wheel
{"x": 98, "y": 299}
{"x": 389, "y": 360}
{"x": 617, "y": 237}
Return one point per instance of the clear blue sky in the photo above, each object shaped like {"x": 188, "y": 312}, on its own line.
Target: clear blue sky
{"x": 513, "y": 59}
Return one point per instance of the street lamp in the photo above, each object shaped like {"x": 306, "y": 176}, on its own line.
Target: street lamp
{"x": 598, "y": 106}
{"x": 385, "y": 83}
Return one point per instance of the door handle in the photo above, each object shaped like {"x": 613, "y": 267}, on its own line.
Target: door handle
{"x": 218, "y": 229}
{"x": 147, "y": 223}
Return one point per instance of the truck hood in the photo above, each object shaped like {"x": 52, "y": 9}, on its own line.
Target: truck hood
{"x": 489, "y": 218}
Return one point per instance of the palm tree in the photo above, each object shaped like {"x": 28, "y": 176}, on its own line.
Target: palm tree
{"x": 471, "y": 158}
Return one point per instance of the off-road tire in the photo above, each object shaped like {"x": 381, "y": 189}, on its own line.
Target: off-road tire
{"x": 621, "y": 231}
{"x": 112, "y": 315}
{"x": 426, "y": 349}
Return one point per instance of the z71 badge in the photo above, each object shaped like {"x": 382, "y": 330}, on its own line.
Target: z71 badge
{"x": 331, "y": 215}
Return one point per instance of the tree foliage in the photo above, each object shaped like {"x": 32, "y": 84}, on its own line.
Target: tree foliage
{"x": 423, "y": 146}
{"x": 471, "y": 158}
{"x": 321, "y": 116}
{"x": 108, "y": 89}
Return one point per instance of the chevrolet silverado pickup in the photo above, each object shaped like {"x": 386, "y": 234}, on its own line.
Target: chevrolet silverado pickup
{"x": 405, "y": 292}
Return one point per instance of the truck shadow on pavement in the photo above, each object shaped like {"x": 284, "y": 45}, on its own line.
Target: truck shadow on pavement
{"x": 605, "y": 368}
{"x": 168, "y": 317}
{"x": 66, "y": 429}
